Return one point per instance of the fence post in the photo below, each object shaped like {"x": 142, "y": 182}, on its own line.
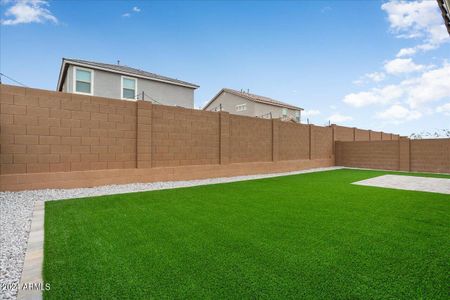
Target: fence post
{"x": 310, "y": 141}
{"x": 354, "y": 133}
{"x": 224, "y": 137}
{"x": 404, "y": 153}
{"x": 333, "y": 136}
{"x": 275, "y": 139}
{"x": 143, "y": 134}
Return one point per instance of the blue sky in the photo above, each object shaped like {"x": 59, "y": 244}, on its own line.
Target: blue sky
{"x": 340, "y": 61}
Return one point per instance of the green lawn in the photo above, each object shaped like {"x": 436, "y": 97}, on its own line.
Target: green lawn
{"x": 301, "y": 236}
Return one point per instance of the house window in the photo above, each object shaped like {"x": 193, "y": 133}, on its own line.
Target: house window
{"x": 129, "y": 87}
{"x": 84, "y": 79}
{"x": 241, "y": 107}
{"x": 297, "y": 116}
{"x": 284, "y": 112}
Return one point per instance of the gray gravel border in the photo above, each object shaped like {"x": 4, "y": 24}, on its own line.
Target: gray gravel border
{"x": 16, "y": 209}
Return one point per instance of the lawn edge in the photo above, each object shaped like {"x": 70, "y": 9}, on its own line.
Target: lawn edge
{"x": 31, "y": 281}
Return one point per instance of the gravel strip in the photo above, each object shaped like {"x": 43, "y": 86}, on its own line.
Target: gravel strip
{"x": 16, "y": 210}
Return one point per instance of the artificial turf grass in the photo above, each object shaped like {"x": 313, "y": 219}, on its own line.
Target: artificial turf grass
{"x": 311, "y": 235}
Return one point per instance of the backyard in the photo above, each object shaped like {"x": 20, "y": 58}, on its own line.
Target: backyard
{"x": 301, "y": 236}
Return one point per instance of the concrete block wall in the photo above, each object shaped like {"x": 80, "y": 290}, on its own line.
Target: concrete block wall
{"x": 321, "y": 147}
{"x": 368, "y": 154}
{"x": 362, "y": 135}
{"x": 50, "y": 132}
{"x": 294, "y": 141}
{"x": 430, "y": 155}
{"x": 183, "y": 136}
{"x": 400, "y": 154}
{"x": 43, "y": 131}
{"x": 342, "y": 133}
{"x": 250, "y": 139}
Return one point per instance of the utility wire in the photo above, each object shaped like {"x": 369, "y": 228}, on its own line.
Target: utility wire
{"x": 1, "y": 74}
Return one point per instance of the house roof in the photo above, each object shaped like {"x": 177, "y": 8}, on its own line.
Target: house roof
{"x": 254, "y": 98}
{"x": 119, "y": 69}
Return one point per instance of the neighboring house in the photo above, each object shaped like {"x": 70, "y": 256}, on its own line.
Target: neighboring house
{"x": 444, "y": 5}
{"x": 122, "y": 82}
{"x": 246, "y": 104}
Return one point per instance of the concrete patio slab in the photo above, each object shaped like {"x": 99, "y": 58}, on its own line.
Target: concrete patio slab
{"x": 411, "y": 183}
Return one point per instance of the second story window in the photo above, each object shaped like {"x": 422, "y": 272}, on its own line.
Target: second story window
{"x": 129, "y": 87}
{"x": 241, "y": 107}
{"x": 83, "y": 81}
{"x": 284, "y": 112}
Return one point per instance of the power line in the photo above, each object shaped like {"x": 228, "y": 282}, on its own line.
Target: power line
{"x": 18, "y": 82}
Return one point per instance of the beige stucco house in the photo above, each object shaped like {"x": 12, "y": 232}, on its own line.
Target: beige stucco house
{"x": 123, "y": 82}
{"x": 246, "y": 104}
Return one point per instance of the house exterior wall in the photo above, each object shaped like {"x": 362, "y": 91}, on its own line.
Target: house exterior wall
{"x": 229, "y": 102}
{"x": 254, "y": 109}
{"x": 108, "y": 85}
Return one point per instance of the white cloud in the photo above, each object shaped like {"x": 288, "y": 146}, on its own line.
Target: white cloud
{"x": 445, "y": 109}
{"x": 430, "y": 86}
{"x": 28, "y": 11}
{"x": 374, "y": 96}
{"x": 339, "y": 118}
{"x": 402, "y": 65}
{"x": 406, "y": 52}
{"x": 416, "y": 19}
{"x": 398, "y": 114}
{"x": 310, "y": 113}
{"x": 376, "y": 76}
{"x": 373, "y": 77}
{"x": 134, "y": 10}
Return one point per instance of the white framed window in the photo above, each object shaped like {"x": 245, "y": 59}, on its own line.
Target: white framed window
{"x": 284, "y": 112}
{"x": 83, "y": 81}
{"x": 241, "y": 107}
{"x": 128, "y": 88}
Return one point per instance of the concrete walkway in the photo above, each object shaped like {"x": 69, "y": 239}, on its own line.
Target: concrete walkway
{"x": 411, "y": 183}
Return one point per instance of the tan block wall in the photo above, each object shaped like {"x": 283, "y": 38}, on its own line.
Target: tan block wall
{"x": 402, "y": 154}
{"x": 17, "y": 182}
{"x": 45, "y": 131}
{"x": 375, "y": 135}
{"x": 293, "y": 141}
{"x": 184, "y": 137}
{"x": 368, "y": 154}
{"x": 362, "y": 135}
{"x": 344, "y": 134}
{"x": 386, "y": 136}
{"x": 51, "y": 132}
{"x": 250, "y": 139}
{"x": 321, "y": 147}
{"x": 430, "y": 155}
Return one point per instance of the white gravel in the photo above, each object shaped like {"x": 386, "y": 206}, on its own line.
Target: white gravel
{"x": 16, "y": 210}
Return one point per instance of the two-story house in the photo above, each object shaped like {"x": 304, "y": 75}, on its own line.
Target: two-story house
{"x": 246, "y": 104}
{"x": 123, "y": 82}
